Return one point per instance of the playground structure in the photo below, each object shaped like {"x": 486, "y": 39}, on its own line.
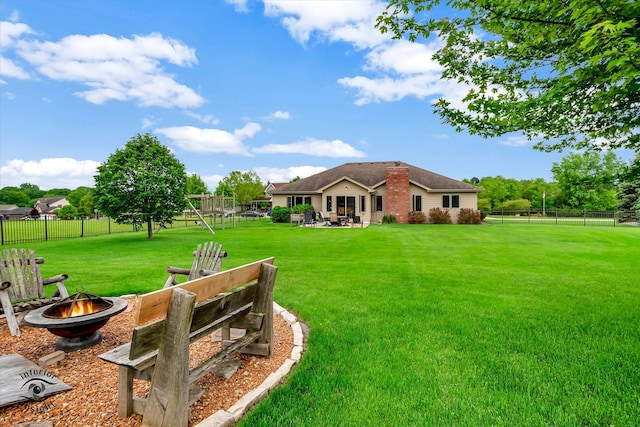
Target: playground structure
{"x": 212, "y": 206}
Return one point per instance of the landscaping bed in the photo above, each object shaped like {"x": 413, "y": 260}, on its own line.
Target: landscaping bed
{"x": 93, "y": 400}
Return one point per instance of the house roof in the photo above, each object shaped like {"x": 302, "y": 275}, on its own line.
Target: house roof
{"x": 14, "y": 210}
{"x": 50, "y": 200}
{"x": 372, "y": 175}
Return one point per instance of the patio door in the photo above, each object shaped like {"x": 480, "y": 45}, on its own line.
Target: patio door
{"x": 346, "y": 205}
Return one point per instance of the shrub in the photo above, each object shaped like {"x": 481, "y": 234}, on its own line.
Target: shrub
{"x": 300, "y": 209}
{"x": 389, "y": 219}
{"x": 469, "y": 216}
{"x": 280, "y": 214}
{"x": 417, "y": 218}
{"x": 439, "y": 216}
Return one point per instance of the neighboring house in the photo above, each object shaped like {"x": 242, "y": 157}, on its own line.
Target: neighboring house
{"x": 372, "y": 190}
{"x": 49, "y": 204}
{"x": 270, "y": 188}
{"x": 13, "y": 212}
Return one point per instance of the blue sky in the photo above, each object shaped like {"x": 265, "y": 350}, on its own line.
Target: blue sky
{"x": 283, "y": 88}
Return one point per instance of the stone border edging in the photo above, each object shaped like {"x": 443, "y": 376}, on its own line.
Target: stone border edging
{"x": 233, "y": 414}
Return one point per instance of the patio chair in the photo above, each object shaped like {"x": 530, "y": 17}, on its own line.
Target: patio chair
{"x": 309, "y": 218}
{"x": 22, "y": 285}
{"x": 333, "y": 218}
{"x": 207, "y": 260}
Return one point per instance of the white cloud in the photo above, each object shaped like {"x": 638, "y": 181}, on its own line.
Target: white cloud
{"x": 516, "y": 141}
{"x": 10, "y": 69}
{"x": 48, "y": 173}
{"x": 199, "y": 140}
{"x": 208, "y": 119}
{"x": 287, "y": 174}
{"x": 404, "y": 57}
{"x": 123, "y": 69}
{"x": 278, "y": 115}
{"x": 212, "y": 181}
{"x": 148, "y": 122}
{"x": 239, "y": 5}
{"x": 348, "y": 21}
{"x": 14, "y": 16}
{"x": 12, "y": 32}
{"x": 392, "y": 69}
{"x": 313, "y": 147}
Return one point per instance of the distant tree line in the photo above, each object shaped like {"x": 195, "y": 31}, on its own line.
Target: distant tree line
{"x": 590, "y": 180}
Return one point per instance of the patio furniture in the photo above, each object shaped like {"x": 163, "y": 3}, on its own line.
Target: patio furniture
{"x": 333, "y": 218}
{"x": 22, "y": 285}
{"x": 159, "y": 351}
{"x": 296, "y": 219}
{"x": 309, "y": 218}
{"x": 207, "y": 260}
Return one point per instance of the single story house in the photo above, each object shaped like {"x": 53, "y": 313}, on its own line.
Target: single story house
{"x": 49, "y": 204}
{"x": 13, "y": 212}
{"x": 371, "y": 190}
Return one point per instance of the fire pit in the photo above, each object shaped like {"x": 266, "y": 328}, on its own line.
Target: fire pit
{"x": 76, "y": 319}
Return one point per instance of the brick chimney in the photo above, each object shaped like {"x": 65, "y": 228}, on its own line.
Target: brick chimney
{"x": 398, "y": 196}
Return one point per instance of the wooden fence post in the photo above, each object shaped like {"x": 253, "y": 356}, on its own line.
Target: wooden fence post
{"x": 168, "y": 401}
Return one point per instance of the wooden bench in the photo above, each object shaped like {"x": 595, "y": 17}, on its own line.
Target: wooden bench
{"x": 241, "y": 298}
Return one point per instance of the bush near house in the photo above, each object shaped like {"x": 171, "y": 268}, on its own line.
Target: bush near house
{"x": 300, "y": 209}
{"x": 389, "y": 219}
{"x": 469, "y": 216}
{"x": 280, "y": 214}
{"x": 439, "y": 216}
{"x": 417, "y": 218}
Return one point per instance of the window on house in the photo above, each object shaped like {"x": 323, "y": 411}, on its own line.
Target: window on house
{"x": 417, "y": 203}
{"x": 329, "y": 204}
{"x": 450, "y": 201}
{"x": 362, "y": 203}
{"x": 378, "y": 203}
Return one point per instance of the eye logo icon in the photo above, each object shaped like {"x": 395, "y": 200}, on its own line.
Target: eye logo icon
{"x": 35, "y": 388}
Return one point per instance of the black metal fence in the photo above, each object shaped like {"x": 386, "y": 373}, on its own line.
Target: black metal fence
{"x": 19, "y": 231}
{"x": 563, "y": 217}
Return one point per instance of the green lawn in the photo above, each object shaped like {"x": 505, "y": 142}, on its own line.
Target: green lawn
{"x": 515, "y": 325}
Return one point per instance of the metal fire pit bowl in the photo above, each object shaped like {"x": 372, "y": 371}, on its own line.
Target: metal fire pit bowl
{"x": 76, "y": 332}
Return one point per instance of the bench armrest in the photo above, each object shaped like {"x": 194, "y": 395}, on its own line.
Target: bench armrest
{"x": 178, "y": 270}
{"x": 55, "y": 279}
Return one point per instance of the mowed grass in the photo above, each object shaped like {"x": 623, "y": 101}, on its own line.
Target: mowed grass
{"x": 423, "y": 325}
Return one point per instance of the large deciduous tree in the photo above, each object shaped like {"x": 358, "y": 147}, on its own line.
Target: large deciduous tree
{"x": 246, "y": 186}
{"x": 588, "y": 180}
{"x": 142, "y": 183}
{"x": 566, "y": 73}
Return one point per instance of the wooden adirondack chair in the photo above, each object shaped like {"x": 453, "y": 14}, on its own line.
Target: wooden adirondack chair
{"x": 22, "y": 285}
{"x": 207, "y": 260}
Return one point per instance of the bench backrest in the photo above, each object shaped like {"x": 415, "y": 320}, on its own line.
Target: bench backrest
{"x": 21, "y": 269}
{"x": 222, "y": 298}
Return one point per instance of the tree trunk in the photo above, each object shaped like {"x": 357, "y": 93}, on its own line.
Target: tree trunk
{"x": 149, "y": 229}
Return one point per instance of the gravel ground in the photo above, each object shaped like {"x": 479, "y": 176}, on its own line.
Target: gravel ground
{"x": 94, "y": 398}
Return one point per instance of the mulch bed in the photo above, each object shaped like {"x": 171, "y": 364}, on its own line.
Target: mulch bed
{"x": 94, "y": 398}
